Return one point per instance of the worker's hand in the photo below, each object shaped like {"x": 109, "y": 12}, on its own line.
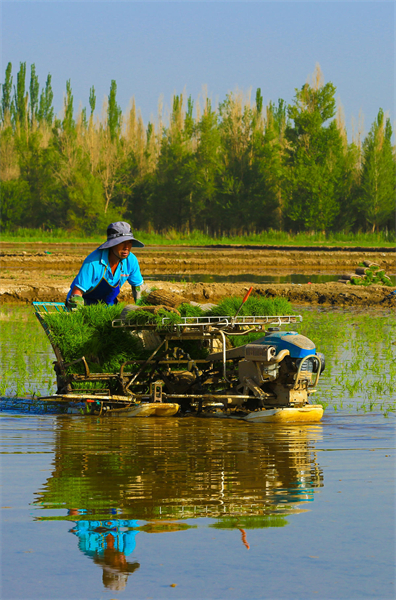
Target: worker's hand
{"x": 136, "y": 293}
{"x": 75, "y": 302}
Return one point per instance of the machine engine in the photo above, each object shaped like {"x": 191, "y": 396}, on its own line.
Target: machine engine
{"x": 281, "y": 368}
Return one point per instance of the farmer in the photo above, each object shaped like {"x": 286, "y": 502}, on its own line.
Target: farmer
{"x": 106, "y": 269}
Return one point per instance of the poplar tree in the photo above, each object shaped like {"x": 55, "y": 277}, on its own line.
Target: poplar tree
{"x": 314, "y": 158}
{"x": 20, "y": 98}
{"x": 237, "y": 122}
{"x": 111, "y": 157}
{"x": 46, "y": 111}
{"x": 9, "y": 155}
{"x": 266, "y": 173}
{"x": 92, "y": 100}
{"x": 207, "y": 170}
{"x": 34, "y": 94}
{"x": 259, "y": 101}
{"x": 189, "y": 119}
{"x": 173, "y": 188}
{"x": 113, "y": 113}
{"x": 68, "y": 123}
{"x": 377, "y": 197}
{"x": 6, "y": 94}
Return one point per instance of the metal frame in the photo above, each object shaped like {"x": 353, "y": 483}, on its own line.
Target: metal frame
{"x": 218, "y": 321}
{"x": 41, "y": 308}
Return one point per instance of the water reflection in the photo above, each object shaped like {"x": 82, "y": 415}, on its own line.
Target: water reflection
{"x": 113, "y": 474}
{"x": 109, "y": 544}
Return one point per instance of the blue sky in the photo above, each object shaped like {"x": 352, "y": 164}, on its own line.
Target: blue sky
{"x": 155, "y": 49}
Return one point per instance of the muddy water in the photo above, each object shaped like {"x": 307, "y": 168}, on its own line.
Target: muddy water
{"x": 200, "y": 508}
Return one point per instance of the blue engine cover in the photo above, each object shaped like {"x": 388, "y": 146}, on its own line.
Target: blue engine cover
{"x": 297, "y": 344}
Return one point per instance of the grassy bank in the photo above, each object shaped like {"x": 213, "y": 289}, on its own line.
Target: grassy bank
{"x": 198, "y": 238}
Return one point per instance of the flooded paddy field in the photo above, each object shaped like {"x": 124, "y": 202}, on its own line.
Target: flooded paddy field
{"x": 238, "y": 510}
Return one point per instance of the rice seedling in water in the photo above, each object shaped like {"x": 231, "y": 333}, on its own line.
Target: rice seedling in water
{"x": 25, "y": 355}
{"x": 360, "y": 356}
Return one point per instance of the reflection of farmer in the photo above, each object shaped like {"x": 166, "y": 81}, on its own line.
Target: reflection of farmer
{"x": 106, "y": 269}
{"x": 108, "y": 543}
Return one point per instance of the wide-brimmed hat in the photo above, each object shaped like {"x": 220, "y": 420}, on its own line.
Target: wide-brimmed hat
{"x": 120, "y": 232}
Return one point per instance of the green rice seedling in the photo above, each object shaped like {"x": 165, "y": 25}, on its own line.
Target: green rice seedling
{"x": 361, "y": 357}
{"x": 256, "y": 306}
{"x": 352, "y": 387}
{"x": 228, "y": 307}
{"x": 89, "y": 332}
{"x": 140, "y": 317}
{"x": 323, "y": 403}
{"x": 163, "y": 319}
{"x": 188, "y": 310}
{"x": 373, "y": 276}
{"x": 89, "y": 385}
{"x": 237, "y": 341}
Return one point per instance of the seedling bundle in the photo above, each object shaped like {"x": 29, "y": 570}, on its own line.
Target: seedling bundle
{"x": 367, "y": 273}
{"x": 89, "y": 331}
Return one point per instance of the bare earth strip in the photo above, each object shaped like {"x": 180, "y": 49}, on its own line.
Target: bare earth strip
{"x": 45, "y": 275}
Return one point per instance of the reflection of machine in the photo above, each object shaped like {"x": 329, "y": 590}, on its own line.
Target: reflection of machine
{"x": 179, "y": 469}
{"x": 162, "y": 475}
{"x": 193, "y": 367}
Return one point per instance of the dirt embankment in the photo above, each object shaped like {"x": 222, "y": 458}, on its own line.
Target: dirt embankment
{"x": 33, "y": 275}
{"x": 334, "y": 294}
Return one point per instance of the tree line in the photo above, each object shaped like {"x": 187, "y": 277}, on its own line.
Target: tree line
{"x": 240, "y": 166}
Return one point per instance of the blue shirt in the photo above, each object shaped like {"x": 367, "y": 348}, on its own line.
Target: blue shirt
{"x": 96, "y": 266}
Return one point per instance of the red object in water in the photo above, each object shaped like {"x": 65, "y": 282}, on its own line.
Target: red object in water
{"x": 244, "y": 539}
